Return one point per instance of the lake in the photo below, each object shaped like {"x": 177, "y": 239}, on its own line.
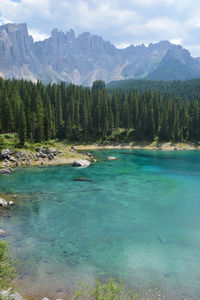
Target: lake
{"x": 136, "y": 218}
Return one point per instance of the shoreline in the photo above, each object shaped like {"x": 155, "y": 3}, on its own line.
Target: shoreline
{"x": 164, "y": 146}
{"x": 67, "y": 154}
{"x": 61, "y": 155}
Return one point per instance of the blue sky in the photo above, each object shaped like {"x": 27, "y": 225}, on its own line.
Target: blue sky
{"x": 123, "y": 22}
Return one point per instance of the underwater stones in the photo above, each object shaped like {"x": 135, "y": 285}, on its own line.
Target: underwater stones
{"x": 81, "y": 163}
{"x": 88, "y": 154}
{"x": 5, "y": 203}
{"x": 2, "y": 232}
{"x": 16, "y": 296}
{"x": 111, "y": 157}
{"x": 6, "y": 294}
{"x": 82, "y": 179}
{"x": 6, "y": 171}
{"x": 162, "y": 240}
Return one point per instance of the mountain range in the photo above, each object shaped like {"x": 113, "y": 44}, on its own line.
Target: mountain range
{"x": 83, "y": 59}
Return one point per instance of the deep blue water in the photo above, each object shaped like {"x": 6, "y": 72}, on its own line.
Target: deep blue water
{"x": 137, "y": 219}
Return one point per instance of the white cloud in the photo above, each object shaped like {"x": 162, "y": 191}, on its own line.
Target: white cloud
{"x": 122, "y": 45}
{"x": 176, "y": 41}
{"x": 123, "y": 23}
{"x": 38, "y": 36}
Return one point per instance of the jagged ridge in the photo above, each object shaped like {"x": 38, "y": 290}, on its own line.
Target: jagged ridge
{"x": 83, "y": 59}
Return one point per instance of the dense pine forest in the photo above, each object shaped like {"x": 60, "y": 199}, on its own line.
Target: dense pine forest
{"x": 189, "y": 89}
{"x": 39, "y": 112}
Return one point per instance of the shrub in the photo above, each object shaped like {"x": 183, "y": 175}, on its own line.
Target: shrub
{"x": 111, "y": 290}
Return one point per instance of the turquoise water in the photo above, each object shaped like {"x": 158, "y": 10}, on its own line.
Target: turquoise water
{"x": 137, "y": 218}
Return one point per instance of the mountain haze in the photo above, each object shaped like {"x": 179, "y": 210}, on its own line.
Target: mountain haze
{"x": 83, "y": 59}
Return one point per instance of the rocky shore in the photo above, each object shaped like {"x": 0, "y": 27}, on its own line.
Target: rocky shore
{"x": 41, "y": 156}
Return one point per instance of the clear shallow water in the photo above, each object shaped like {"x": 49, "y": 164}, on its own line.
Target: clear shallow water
{"x": 138, "y": 219}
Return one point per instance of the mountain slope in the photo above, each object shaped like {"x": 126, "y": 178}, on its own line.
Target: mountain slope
{"x": 83, "y": 59}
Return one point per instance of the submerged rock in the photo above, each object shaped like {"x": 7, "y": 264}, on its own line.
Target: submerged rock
{"x": 162, "y": 240}
{"x": 6, "y": 171}
{"x": 111, "y": 157}
{"x": 2, "y": 232}
{"x": 81, "y": 163}
{"x": 16, "y": 296}
{"x": 82, "y": 179}
{"x": 5, "y": 295}
{"x": 3, "y": 202}
{"x": 88, "y": 154}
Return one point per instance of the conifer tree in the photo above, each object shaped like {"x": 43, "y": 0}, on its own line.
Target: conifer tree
{"x": 22, "y": 125}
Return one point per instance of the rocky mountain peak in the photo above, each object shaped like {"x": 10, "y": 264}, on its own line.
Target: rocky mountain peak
{"x": 83, "y": 59}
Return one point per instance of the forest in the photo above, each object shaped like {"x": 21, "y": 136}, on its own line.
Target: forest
{"x": 38, "y": 112}
{"x": 188, "y": 89}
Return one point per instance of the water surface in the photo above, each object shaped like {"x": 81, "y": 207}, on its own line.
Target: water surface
{"x": 136, "y": 218}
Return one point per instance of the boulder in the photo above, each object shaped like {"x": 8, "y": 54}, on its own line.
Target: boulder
{"x": 3, "y": 202}
{"x": 51, "y": 151}
{"x": 42, "y": 154}
{"x": 6, "y": 171}
{"x": 10, "y": 203}
{"x": 73, "y": 149}
{"x": 11, "y": 158}
{"x": 41, "y": 149}
{"x": 5, "y": 153}
{"x": 20, "y": 154}
{"x": 81, "y": 163}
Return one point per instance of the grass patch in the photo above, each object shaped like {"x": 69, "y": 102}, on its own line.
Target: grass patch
{"x": 112, "y": 290}
{"x": 7, "y": 271}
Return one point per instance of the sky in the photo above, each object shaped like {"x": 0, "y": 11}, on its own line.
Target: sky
{"x": 122, "y": 22}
